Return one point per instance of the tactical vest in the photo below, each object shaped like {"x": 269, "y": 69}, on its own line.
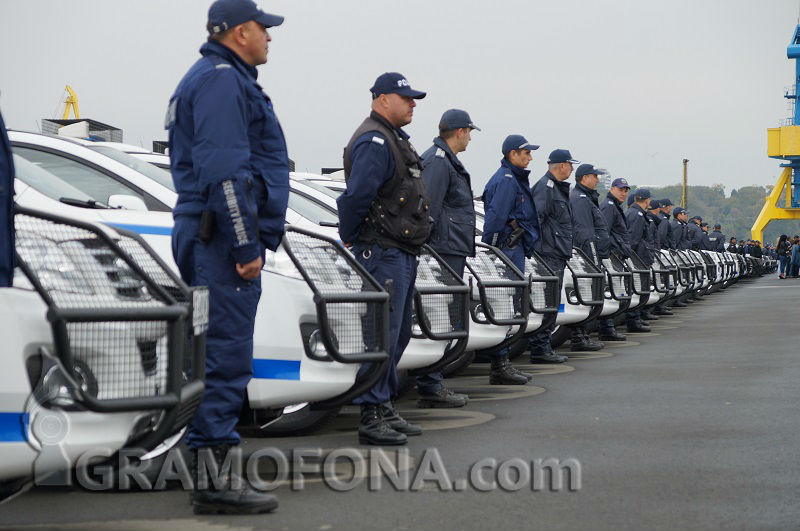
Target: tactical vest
{"x": 399, "y": 215}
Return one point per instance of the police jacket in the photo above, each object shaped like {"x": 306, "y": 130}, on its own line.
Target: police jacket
{"x": 755, "y": 251}
{"x": 551, "y": 198}
{"x": 447, "y": 185}
{"x": 385, "y": 200}
{"x": 695, "y": 235}
{"x": 7, "y": 256}
{"x": 637, "y": 228}
{"x": 617, "y": 226}
{"x": 507, "y": 197}
{"x": 664, "y": 231}
{"x": 717, "y": 240}
{"x": 653, "y": 243}
{"x": 228, "y": 153}
{"x": 590, "y": 228}
{"x": 705, "y": 242}
{"x": 680, "y": 235}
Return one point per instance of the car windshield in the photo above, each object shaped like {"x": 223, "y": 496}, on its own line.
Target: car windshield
{"x": 45, "y": 182}
{"x": 311, "y": 210}
{"x": 159, "y": 175}
{"x": 324, "y": 189}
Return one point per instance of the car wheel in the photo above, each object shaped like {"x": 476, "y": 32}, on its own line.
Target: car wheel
{"x": 560, "y": 335}
{"x": 303, "y": 421}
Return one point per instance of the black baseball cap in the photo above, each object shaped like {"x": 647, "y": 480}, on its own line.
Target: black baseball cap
{"x": 225, "y": 14}
{"x": 654, "y": 204}
{"x": 588, "y": 169}
{"x": 561, "y": 155}
{"x": 665, "y": 202}
{"x": 456, "y": 119}
{"x": 516, "y": 143}
{"x": 642, "y": 193}
{"x": 394, "y": 83}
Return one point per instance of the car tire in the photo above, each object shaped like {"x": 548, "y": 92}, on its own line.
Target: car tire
{"x": 560, "y": 335}
{"x": 304, "y": 421}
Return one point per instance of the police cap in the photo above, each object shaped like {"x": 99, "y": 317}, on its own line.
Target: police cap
{"x": 588, "y": 169}
{"x": 620, "y": 183}
{"x": 456, "y": 119}
{"x": 394, "y": 83}
{"x": 561, "y": 155}
{"x": 516, "y": 143}
{"x": 225, "y": 14}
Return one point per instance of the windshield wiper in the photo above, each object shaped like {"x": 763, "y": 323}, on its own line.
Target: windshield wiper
{"x": 328, "y": 223}
{"x": 83, "y": 203}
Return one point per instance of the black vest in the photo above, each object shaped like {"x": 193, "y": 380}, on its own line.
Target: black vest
{"x": 399, "y": 215}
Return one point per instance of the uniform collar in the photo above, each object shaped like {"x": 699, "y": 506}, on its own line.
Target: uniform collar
{"x": 594, "y": 194}
{"x": 378, "y": 118}
{"x": 440, "y": 143}
{"x": 637, "y": 207}
{"x": 215, "y": 48}
{"x": 617, "y": 203}
{"x": 519, "y": 173}
{"x": 562, "y": 185}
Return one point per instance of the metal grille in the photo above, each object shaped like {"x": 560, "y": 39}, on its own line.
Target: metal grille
{"x": 488, "y": 267}
{"x": 78, "y": 270}
{"x": 685, "y": 270}
{"x": 618, "y": 278}
{"x": 150, "y": 265}
{"x": 544, "y": 286}
{"x": 442, "y": 312}
{"x": 641, "y": 274}
{"x": 662, "y": 276}
{"x": 355, "y": 326}
{"x": 587, "y": 280}
{"x": 699, "y": 266}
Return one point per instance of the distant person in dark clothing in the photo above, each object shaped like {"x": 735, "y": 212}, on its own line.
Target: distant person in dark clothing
{"x": 795, "y": 257}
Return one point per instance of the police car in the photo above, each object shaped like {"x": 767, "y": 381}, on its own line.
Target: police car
{"x": 101, "y": 344}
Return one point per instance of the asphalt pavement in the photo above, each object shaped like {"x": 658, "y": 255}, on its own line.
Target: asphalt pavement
{"x": 692, "y": 426}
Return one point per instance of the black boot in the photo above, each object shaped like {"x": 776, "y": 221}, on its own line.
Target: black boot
{"x": 611, "y": 334}
{"x": 374, "y": 430}
{"x": 396, "y": 422}
{"x": 527, "y": 375}
{"x": 647, "y": 315}
{"x": 637, "y": 327}
{"x": 231, "y": 494}
{"x": 580, "y": 342}
{"x": 547, "y": 357}
{"x": 662, "y": 310}
{"x": 501, "y": 373}
{"x": 679, "y": 304}
{"x": 444, "y": 397}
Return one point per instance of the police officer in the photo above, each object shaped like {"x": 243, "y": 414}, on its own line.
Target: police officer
{"x": 705, "y": 241}
{"x": 590, "y": 234}
{"x": 664, "y": 228}
{"x": 619, "y": 237}
{"x": 680, "y": 230}
{"x": 695, "y": 232}
{"x": 231, "y": 170}
{"x": 385, "y": 214}
{"x": 551, "y": 197}
{"x": 7, "y": 254}
{"x": 717, "y": 239}
{"x": 653, "y": 246}
{"x": 449, "y": 190}
{"x": 638, "y": 224}
{"x": 732, "y": 247}
{"x": 510, "y": 223}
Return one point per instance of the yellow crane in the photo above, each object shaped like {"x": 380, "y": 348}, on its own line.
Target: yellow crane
{"x": 70, "y": 103}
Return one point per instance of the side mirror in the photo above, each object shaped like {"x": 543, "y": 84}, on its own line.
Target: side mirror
{"x": 127, "y": 202}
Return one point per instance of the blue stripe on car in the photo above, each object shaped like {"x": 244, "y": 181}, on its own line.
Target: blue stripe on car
{"x": 276, "y": 369}
{"x": 144, "y": 229}
{"x": 14, "y": 426}
{"x": 561, "y": 308}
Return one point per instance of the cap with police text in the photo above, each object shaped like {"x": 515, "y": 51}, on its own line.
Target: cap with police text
{"x": 642, "y": 193}
{"x": 678, "y": 210}
{"x": 394, "y": 83}
{"x": 456, "y": 119}
{"x": 620, "y": 183}
{"x": 665, "y": 202}
{"x": 516, "y": 143}
{"x": 561, "y": 155}
{"x": 225, "y": 14}
{"x": 588, "y": 169}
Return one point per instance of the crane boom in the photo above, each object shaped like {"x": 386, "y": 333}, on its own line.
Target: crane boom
{"x": 70, "y": 103}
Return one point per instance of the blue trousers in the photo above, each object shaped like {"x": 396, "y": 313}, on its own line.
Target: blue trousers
{"x": 784, "y": 261}
{"x": 430, "y": 383}
{"x": 401, "y": 268}
{"x": 539, "y": 343}
{"x": 229, "y": 340}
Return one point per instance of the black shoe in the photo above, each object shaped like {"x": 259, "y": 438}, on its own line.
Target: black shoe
{"x": 637, "y": 327}
{"x": 611, "y": 335}
{"x": 233, "y": 496}
{"x": 396, "y": 422}
{"x": 374, "y": 430}
{"x": 527, "y": 375}
{"x": 444, "y": 397}
{"x": 547, "y": 357}
{"x": 580, "y": 342}
{"x": 501, "y": 373}
{"x": 649, "y": 316}
{"x": 679, "y": 304}
{"x": 689, "y": 300}
{"x": 662, "y": 310}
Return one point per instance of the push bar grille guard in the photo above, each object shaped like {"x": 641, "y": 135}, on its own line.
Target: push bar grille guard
{"x": 662, "y": 275}
{"x": 686, "y": 271}
{"x": 441, "y": 307}
{"x": 128, "y": 334}
{"x": 641, "y": 275}
{"x": 699, "y": 266}
{"x": 544, "y": 286}
{"x": 674, "y": 272}
{"x": 710, "y": 266}
{"x": 618, "y": 278}
{"x": 500, "y": 286}
{"x": 587, "y": 279}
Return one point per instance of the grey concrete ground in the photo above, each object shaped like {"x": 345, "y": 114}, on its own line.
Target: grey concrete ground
{"x": 694, "y": 426}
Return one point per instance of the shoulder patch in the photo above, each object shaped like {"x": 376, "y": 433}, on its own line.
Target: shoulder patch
{"x": 640, "y": 213}
{"x": 378, "y": 140}
{"x": 583, "y": 195}
{"x": 549, "y": 183}
{"x": 611, "y": 203}
{"x": 222, "y": 66}
{"x": 440, "y": 153}
{"x": 509, "y": 175}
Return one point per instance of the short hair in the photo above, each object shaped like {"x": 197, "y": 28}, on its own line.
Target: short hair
{"x": 445, "y": 133}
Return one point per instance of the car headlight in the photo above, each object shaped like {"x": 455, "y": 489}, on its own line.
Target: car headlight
{"x": 55, "y": 270}
{"x": 280, "y": 263}
{"x": 56, "y": 390}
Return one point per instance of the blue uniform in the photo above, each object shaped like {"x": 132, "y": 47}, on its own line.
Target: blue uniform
{"x": 717, "y": 240}
{"x": 372, "y": 164}
{"x": 695, "y": 235}
{"x": 591, "y": 228}
{"x": 228, "y": 159}
{"x": 664, "y": 231}
{"x": 7, "y": 256}
{"x": 507, "y": 197}
{"x": 638, "y": 226}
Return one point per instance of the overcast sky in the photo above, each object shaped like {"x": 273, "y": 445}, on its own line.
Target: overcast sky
{"x": 631, "y": 85}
